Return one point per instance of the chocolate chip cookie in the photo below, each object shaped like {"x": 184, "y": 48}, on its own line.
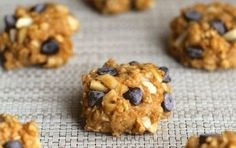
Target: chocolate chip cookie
{"x": 14, "y": 134}
{"x": 126, "y": 98}
{"x": 119, "y": 6}
{"x": 226, "y": 140}
{"x": 204, "y": 36}
{"x": 39, "y": 35}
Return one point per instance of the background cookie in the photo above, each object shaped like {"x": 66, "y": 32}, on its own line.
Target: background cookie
{"x": 39, "y": 35}
{"x": 119, "y": 6}
{"x": 14, "y": 134}
{"x": 226, "y": 140}
{"x": 204, "y": 36}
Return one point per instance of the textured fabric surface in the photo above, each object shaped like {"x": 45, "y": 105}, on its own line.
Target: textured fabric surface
{"x": 204, "y": 102}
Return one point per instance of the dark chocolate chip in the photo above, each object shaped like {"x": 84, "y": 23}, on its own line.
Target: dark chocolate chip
{"x": 203, "y": 138}
{"x": 133, "y": 63}
{"x": 38, "y": 8}
{"x": 168, "y": 102}
{"x": 219, "y": 26}
{"x": 13, "y": 144}
{"x": 107, "y": 70}
{"x": 134, "y": 95}
{"x": 166, "y": 78}
{"x": 10, "y": 21}
{"x": 94, "y": 97}
{"x": 50, "y": 47}
{"x": 193, "y": 15}
{"x": 194, "y": 52}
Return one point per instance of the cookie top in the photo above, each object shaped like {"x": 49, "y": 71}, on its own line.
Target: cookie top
{"x": 129, "y": 98}
{"x": 14, "y": 134}
{"x": 226, "y": 140}
{"x": 39, "y": 35}
{"x": 204, "y": 36}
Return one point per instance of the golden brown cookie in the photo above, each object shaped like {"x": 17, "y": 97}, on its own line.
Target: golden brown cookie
{"x": 119, "y": 6}
{"x": 14, "y": 134}
{"x": 39, "y": 35}
{"x": 126, "y": 98}
{"x": 227, "y": 140}
{"x": 204, "y": 36}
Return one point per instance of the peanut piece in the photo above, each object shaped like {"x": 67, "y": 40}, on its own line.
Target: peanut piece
{"x": 146, "y": 122}
{"x": 24, "y": 22}
{"x": 152, "y": 89}
{"x": 21, "y": 35}
{"x": 153, "y": 128}
{"x": 109, "y": 101}
{"x": 96, "y": 85}
{"x": 180, "y": 39}
{"x": 230, "y": 35}
{"x": 74, "y": 24}
{"x": 108, "y": 81}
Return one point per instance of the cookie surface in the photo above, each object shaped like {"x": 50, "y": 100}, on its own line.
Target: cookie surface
{"x": 127, "y": 98}
{"x": 226, "y": 140}
{"x": 14, "y": 134}
{"x": 39, "y": 35}
{"x": 204, "y": 36}
{"x": 119, "y": 6}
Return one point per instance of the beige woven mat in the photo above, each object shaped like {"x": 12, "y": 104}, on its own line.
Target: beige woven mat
{"x": 205, "y": 102}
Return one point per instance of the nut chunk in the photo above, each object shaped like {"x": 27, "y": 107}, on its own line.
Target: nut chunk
{"x": 14, "y": 134}
{"x": 39, "y": 35}
{"x": 204, "y": 36}
{"x": 119, "y": 6}
{"x": 226, "y": 140}
{"x": 127, "y": 98}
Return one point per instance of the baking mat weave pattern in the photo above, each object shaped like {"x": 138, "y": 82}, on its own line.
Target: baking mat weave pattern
{"x": 204, "y": 102}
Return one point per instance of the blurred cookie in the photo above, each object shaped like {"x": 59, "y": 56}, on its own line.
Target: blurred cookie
{"x": 39, "y": 35}
{"x": 227, "y": 140}
{"x": 14, "y": 134}
{"x": 204, "y": 36}
{"x": 119, "y": 6}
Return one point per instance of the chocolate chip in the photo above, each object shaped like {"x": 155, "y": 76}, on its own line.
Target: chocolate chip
{"x": 193, "y": 15}
{"x": 10, "y": 22}
{"x": 219, "y": 26}
{"x": 203, "y": 138}
{"x": 168, "y": 102}
{"x": 94, "y": 97}
{"x": 166, "y": 78}
{"x": 13, "y": 144}
{"x": 38, "y": 8}
{"x": 107, "y": 70}
{"x": 134, "y": 95}
{"x": 133, "y": 63}
{"x": 50, "y": 47}
{"x": 194, "y": 52}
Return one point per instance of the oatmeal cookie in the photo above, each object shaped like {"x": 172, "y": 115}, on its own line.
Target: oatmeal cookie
{"x": 119, "y": 6}
{"x": 39, "y": 35}
{"x": 14, "y": 134}
{"x": 227, "y": 140}
{"x": 204, "y": 36}
{"x": 127, "y": 98}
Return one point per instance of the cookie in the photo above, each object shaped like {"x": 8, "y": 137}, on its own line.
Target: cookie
{"x": 204, "y": 36}
{"x": 14, "y": 134}
{"x": 39, "y": 35}
{"x": 126, "y": 98}
{"x": 226, "y": 140}
{"x": 119, "y": 6}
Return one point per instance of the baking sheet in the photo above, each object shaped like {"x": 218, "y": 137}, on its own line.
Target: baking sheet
{"x": 204, "y": 102}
